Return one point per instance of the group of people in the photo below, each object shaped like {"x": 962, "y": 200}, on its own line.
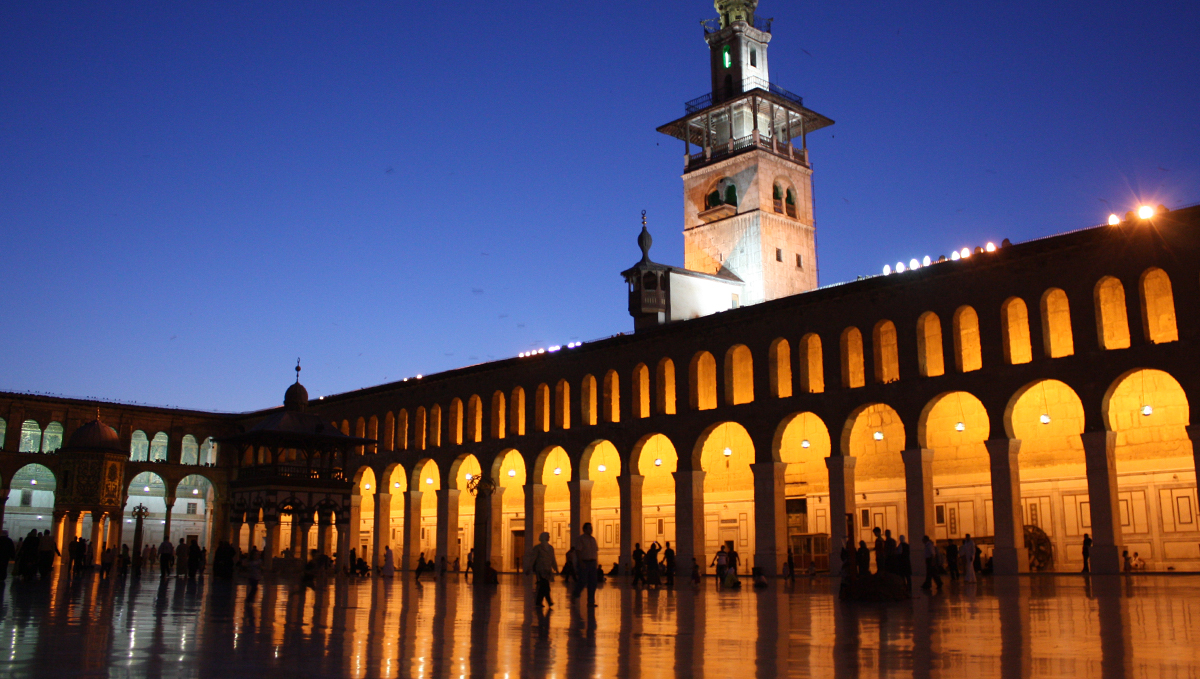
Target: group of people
{"x": 646, "y": 567}
{"x": 726, "y": 564}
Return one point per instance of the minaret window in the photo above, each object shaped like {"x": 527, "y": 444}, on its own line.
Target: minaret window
{"x": 650, "y": 281}
{"x": 726, "y": 58}
{"x": 777, "y": 198}
{"x": 731, "y": 195}
{"x": 753, "y": 57}
{"x": 791, "y": 203}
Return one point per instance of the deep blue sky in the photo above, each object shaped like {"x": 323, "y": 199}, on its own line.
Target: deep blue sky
{"x": 194, "y": 194}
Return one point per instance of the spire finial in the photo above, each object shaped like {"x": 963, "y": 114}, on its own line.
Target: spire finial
{"x": 297, "y": 371}
{"x": 644, "y": 240}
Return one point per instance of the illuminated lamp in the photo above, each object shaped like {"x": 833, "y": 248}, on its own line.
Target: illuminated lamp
{"x": 990, "y": 247}
{"x": 914, "y": 264}
{"x": 878, "y": 436}
{"x": 954, "y": 256}
{"x": 429, "y": 481}
{"x": 960, "y": 427}
{"x": 467, "y": 476}
{"x": 1147, "y": 411}
{"x": 602, "y": 468}
{"x": 966, "y": 252}
{"x": 887, "y": 269}
{"x": 195, "y": 491}
{"x": 1113, "y": 220}
{"x": 1145, "y": 212}
{"x": 926, "y": 261}
{"x": 899, "y": 267}
{"x": 805, "y": 443}
{"x": 1045, "y": 419}
{"x": 728, "y": 452}
{"x": 658, "y": 462}
{"x": 557, "y": 471}
{"x": 512, "y": 473}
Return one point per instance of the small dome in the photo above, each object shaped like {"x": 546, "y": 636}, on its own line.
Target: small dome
{"x": 296, "y": 397}
{"x": 95, "y": 434}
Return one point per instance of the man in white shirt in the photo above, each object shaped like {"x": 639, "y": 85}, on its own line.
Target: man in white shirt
{"x": 588, "y": 552}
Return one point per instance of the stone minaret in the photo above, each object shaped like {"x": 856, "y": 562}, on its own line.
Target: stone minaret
{"x": 747, "y": 182}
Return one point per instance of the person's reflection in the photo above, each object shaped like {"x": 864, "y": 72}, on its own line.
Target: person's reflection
{"x": 581, "y": 642}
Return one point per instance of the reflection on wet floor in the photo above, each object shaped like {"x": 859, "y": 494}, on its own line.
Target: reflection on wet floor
{"x": 1051, "y": 626}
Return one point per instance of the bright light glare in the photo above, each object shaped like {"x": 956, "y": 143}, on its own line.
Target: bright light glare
{"x": 429, "y": 481}
{"x": 1147, "y": 410}
{"x": 1045, "y": 419}
{"x": 512, "y": 473}
{"x": 954, "y": 256}
{"x": 145, "y": 489}
{"x": 966, "y": 252}
{"x": 1113, "y": 220}
{"x": 899, "y": 267}
{"x": 805, "y": 443}
{"x": 467, "y": 476}
{"x": 887, "y": 269}
{"x": 878, "y": 436}
{"x": 658, "y": 462}
{"x": 1145, "y": 212}
{"x": 557, "y": 471}
{"x": 960, "y": 427}
{"x": 914, "y": 264}
{"x": 366, "y": 486}
{"x": 926, "y": 261}
{"x": 602, "y": 468}
{"x": 195, "y": 491}
{"x": 728, "y": 452}
{"x": 990, "y": 247}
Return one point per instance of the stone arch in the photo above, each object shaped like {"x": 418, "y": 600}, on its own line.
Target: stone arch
{"x": 394, "y": 477}
{"x": 419, "y": 428}
{"x": 853, "y": 372}
{"x": 1057, "y": 338}
{"x": 435, "y": 425}
{"x": 739, "y": 375}
{"x": 52, "y": 437}
{"x": 641, "y": 391}
{"x": 1112, "y": 323}
{"x": 198, "y": 481}
{"x": 455, "y": 424}
{"x": 874, "y": 433}
{"x": 587, "y": 400}
{"x": 463, "y": 470}
{"x": 1158, "y": 307}
{"x": 401, "y": 430}
{"x": 600, "y": 452}
{"x": 886, "y": 352}
{"x": 802, "y": 442}
{"x": 562, "y": 405}
{"x": 139, "y": 445}
{"x": 498, "y": 414}
{"x": 955, "y": 425}
{"x": 32, "y": 498}
{"x": 665, "y": 379}
{"x": 542, "y": 408}
{"x": 1014, "y": 324}
{"x": 426, "y": 476}
{"x": 967, "y": 353}
{"x": 208, "y": 452}
{"x": 930, "y": 359}
{"x": 189, "y": 450}
{"x": 780, "y": 358}
{"x": 1047, "y": 417}
{"x": 1150, "y": 413}
{"x": 611, "y": 411}
{"x": 702, "y": 382}
{"x": 389, "y": 432}
{"x": 812, "y": 364}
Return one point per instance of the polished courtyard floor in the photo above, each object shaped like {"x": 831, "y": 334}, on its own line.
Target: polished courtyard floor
{"x": 1052, "y": 626}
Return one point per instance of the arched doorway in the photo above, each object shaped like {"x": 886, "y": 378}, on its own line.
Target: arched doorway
{"x": 724, "y": 453}
{"x": 802, "y": 442}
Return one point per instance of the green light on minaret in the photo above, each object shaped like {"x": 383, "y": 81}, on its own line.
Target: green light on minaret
{"x": 725, "y": 58}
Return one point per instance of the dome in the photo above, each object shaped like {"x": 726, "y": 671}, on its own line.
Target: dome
{"x": 296, "y": 397}
{"x": 95, "y": 434}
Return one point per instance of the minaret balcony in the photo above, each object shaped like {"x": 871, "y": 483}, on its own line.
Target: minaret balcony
{"x": 713, "y": 214}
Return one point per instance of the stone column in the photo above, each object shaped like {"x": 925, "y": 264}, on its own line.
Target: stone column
{"x": 300, "y": 531}
{"x": 581, "y": 506}
{"x": 1192, "y": 432}
{"x": 170, "y": 500}
{"x": 689, "y": 522}
{"x": 535, "y": 517}
{"x": 251, "y": 531}
{"x": 1098, "y": 450}
{"x": 3, "y": 501}
{"x": 115, "y": 529}
{"x": 383, "y": 529}
{"x": 631, "y": 517}
{"x": 412, "y": 529}
{"x": 770, "y": 516}
{"x": 1010, "y": 556}
{"x": 842, "y": 504}
{"x": 918, "y": 489}
{"x": 97, "y": 528}
{"x": 355, "y": 527}
{"x": 235, "y": 531}
{"x": 272, "y": 542}
{"x": 496, "y": 529}
{"x": 58, "y": 530}
{"x": 345, "y": 534}
{"x": 447, "y": 527}
{"x": 324, "y": 520}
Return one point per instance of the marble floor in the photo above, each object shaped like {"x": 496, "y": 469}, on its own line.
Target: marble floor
{"x": 1051, "y": 626}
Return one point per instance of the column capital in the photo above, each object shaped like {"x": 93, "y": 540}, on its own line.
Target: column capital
{"x": 765, "y": 467}
{"x": 448, "y": 492}
{"x": 584, "y": 484}
{"x": 1002, "y": 446}
{"x": 916, "y": 456}
{"x": 840, "y": 462}
{"x": 1097, "y": 441}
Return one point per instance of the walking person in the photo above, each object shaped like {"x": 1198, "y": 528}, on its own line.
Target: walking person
{"x": 880, "y": 559}
{"x": 389, "y": 566}
{"x": 7, "y": 551}
{"x": 669, "y": 564}
{"x": 470, "y": 563}
{"x": 863, "y": 558}
{"x": 652, "y": 575}
{"x": 952, "y": 559}
{"x": 166, "y": 557}
{"x": 181, "y": 559}
{"x": 904, "y": 562}
{"x": 967, "y": 554}
{"x": 931, "y": 566}
{"x": 543, "y": 566}
{"x": 588, "y": 554}
{"x": 639, "y": 571}
{"x": 1087, "y": 553}
{"x": 47, "y": 550}
{"x": 721, "y": 561}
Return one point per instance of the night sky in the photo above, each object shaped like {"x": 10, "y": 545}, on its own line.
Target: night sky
{"x": 193, "y": 195}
